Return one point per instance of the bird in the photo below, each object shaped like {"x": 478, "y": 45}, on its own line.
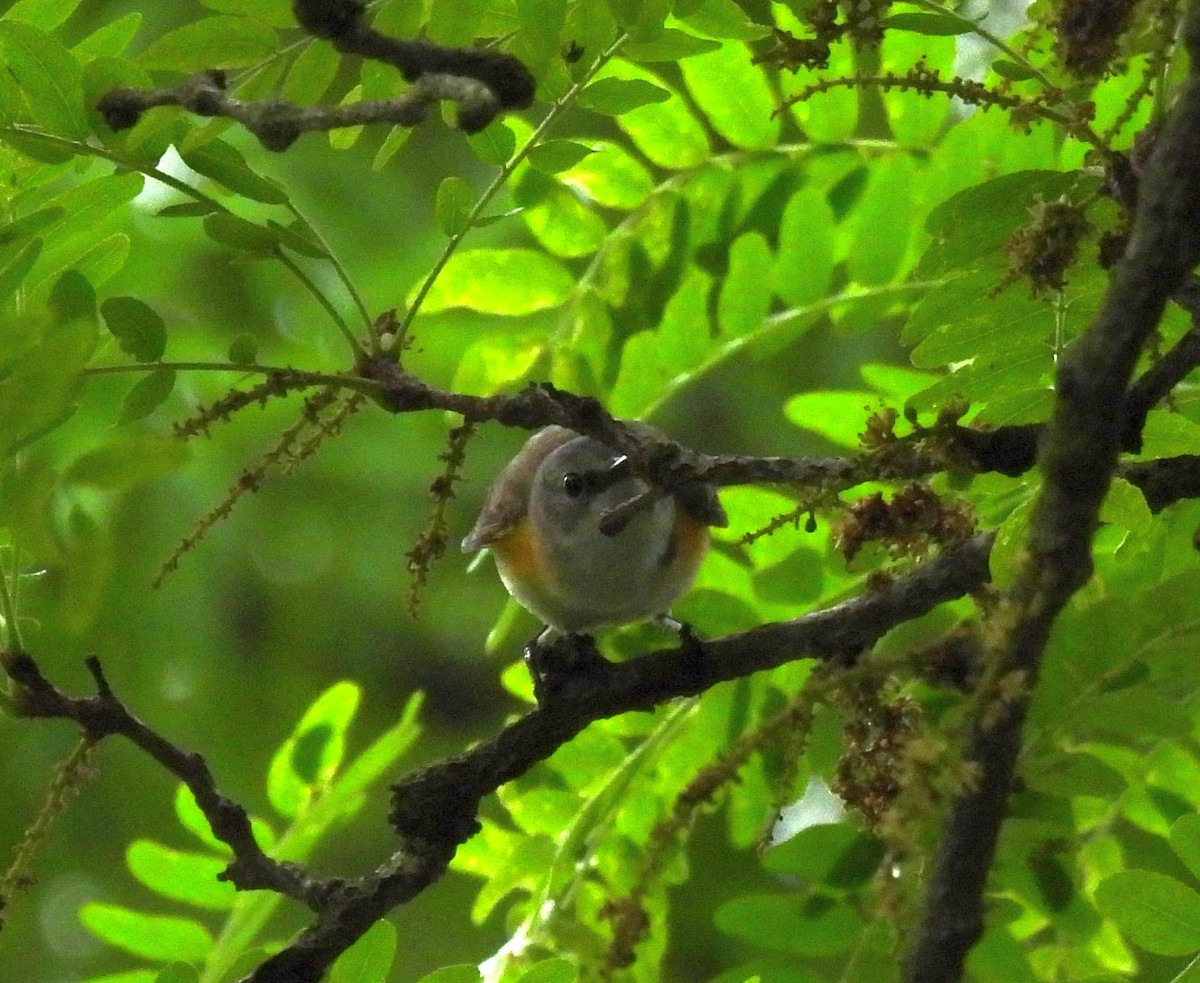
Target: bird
{"x": 541, "y": 521}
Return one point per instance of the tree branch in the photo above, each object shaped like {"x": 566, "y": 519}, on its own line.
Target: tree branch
{"x": 104, "y": 714}
{"x": 1079, "y": 458}
{"x": 434, "y": 809}
{"x": 483, "y": 83}
{"x": 1158, "y": 381}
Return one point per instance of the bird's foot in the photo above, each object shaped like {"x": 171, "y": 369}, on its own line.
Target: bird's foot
{"x": 553, "y": 660}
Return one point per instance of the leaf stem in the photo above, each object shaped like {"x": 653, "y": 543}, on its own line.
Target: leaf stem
{"x": 8, "y": 605}
{"x": 986, "y": 35}
{"x": 340, "y": 269}
{"x": 367, "y": 387}
{"x": 308, "y": 283}
{"x": 504, "y": 174}
{"x": 87, "y": 150}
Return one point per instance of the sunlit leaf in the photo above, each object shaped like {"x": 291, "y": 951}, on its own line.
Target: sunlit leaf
{"x": 187, "y": 877}
{"x": 48, "y": 75}
{"x": 370, "y": 958}
{"x": 312, "y": 754}
{"x": 1155, "y": 911}
{"x": 155, "y": 937}
{"x": 499, "y": 281}
{"x": 213, "y": 42}
{"x": 734, "y": 95}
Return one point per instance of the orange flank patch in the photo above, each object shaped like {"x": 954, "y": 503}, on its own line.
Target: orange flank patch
{"x": 691, "y": 540}
{"x": 515, "y": 548}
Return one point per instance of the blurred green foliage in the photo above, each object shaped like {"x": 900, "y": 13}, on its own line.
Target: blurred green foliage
{"x": 654, "y": 232}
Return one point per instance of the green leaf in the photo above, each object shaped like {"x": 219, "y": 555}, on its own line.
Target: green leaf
{"x": 151, "y": 937}
{"x": 971, "y": 227}
{"x": 745, "y": 295}
{"x": 213, "y": 42}
{"x": 666, "y": 132}
{"x": 147, "y": 394}
{"x": 720, "y": 19}
{"x": 178, "y": 973}
{"x": 734, "y": 95}
{"x": 882, "y": 222}
{"x": 564, "y": 225}
{"x": 126, "y": 461}
{"x": 312, "y": 73}
{"x": 72, "y": 297}
{"x": 455, "y": 199}
{"x": 804, "y": 261}
{"x": 495, "y": 144}
{"x": 138, "y": 328}
{"x": 986, "y": 379}
{"x": 277, "y": 13}
{"x": 307, "y": 761}
{"x": 48, "y": 76}
{"x": 237, "y": 233}
{"x": 243, "y": 349}
{"x": 610, "y": 176}
{"x": 1168, "y": 434}
{"x": 111, "y": 39}
{"x": 453, "y": 974}
{"x": 813, "y": 926}
{"x": 550, "y": 971}
{"x": 133, "y": 976}
{"x": 834, "y": 854}
{"x": 186, "y": 209}
{"x": 44, "y": 386}
{"x": 558, "y": 155}
{"x": 496, "y": 361}
{"x": 1013, "y": 71}
{"x": 299, "y": 238}
{"x": 615, "y": 97}
{"x": 653, "y": 360}
{"x": 369, "y": 960}
{"x": 1156, "y": 912}
{"x": 1008, "y": 551}
{"x": 44, "y": 14}
{"x": 455, "y": 22}
{"x": 1125, "y": 506}
{"x": 15, "y": 264}
{"x": 187, "y": 877}
{"x": 499, "y": 281}
{"x": 220, "y": 162}
{"x": 27, "y": 225}
{"x": 667, "y": 44}
{"x": 545, "y": 811}
{"x": 935, "y": 25}
{"x": 1185, "y": 841}
{"x": 193, "y": 820}
{"x": 838, "y": 416}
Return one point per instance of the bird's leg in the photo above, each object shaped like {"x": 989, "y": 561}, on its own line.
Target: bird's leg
{"x": 691, "y": 645}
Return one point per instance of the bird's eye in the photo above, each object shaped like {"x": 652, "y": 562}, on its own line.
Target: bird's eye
{"x": 573, "y": 484}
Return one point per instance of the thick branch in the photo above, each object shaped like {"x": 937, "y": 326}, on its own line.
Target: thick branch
{"x": 1079, "y": 457}
{"x": 435, "y": 809}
